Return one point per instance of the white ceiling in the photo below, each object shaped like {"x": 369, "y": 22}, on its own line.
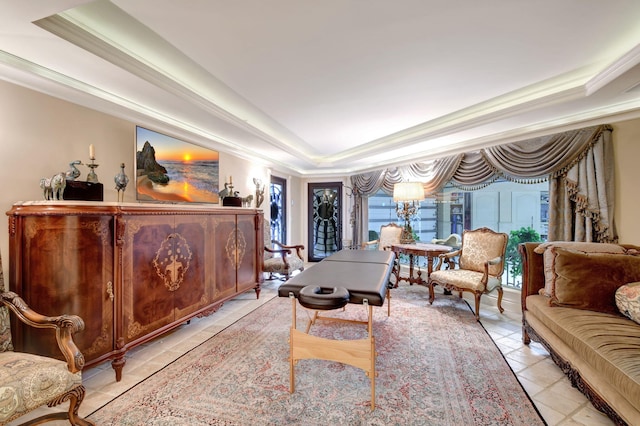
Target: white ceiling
{"x": 329, "y": 87}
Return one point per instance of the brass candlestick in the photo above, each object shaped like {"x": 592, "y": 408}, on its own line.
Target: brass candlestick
{"x": 92, "y": 176}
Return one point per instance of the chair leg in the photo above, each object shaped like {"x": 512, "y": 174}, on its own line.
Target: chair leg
{"x": 432, "y": 293}
{"x": 478, "y": 295}
{"x": 500, "y": 300}
{"x": 74, "y": 404}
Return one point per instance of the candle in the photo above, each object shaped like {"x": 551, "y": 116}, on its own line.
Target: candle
{"x": 92, "y": 152}
{"x": 231, "y": 179}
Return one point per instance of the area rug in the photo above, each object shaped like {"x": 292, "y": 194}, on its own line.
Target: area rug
{"x": 436, "y": 366}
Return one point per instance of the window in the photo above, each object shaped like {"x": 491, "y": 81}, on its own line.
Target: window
{"x": 502, "y": 206}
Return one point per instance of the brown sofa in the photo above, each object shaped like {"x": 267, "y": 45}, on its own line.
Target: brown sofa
{"x": 595, "y": 346}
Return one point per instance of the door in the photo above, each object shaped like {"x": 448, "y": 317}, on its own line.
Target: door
{"x": 278, "y": 204}
{"x": 325, "y": 219}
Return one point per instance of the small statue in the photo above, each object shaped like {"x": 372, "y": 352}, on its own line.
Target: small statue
{"x": 73, "y": 173}
{"x": 121, "y": 180}
{"x": 246, "y": 201}
{"x": 224, "y": 192}
{"x": 259, "y": 192}
{"x": 53, "y": 187}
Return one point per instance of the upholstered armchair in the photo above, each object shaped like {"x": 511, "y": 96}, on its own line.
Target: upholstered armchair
{"x": 28, "y": 381}
{"x": 281, "y": 260}
{"x": 389, "y": 234}
{"x": 480, "y": 266}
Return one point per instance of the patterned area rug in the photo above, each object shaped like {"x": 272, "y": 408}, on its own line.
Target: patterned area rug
{"x": 436, "y": 366}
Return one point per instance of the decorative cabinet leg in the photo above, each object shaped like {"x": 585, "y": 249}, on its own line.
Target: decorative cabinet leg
{"x": 118, "y": 365}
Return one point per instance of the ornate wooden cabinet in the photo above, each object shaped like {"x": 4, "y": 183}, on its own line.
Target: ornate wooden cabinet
{"x": 131, "y": 271}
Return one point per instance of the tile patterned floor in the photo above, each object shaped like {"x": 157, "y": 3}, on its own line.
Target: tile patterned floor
{"x": 558, "y": 402}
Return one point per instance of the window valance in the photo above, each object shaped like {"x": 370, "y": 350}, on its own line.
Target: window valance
{"x": 568, "y": 160}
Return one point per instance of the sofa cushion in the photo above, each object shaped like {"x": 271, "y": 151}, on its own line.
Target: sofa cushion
{"x": 549, "y": 257}
{"x": 628, "y": 301}
{"x": 590, "y": 280}
{"x": 609, "y": 343}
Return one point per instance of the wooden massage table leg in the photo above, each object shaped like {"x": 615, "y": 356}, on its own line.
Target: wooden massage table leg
{"x": 360, "y": 353}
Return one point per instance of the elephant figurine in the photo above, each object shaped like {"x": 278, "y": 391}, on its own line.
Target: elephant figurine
{"x": 53, "y": 187}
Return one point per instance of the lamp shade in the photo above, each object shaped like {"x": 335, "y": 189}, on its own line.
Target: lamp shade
{"x": 408, "y": 191}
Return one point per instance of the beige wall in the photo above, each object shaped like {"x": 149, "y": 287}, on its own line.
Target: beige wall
{"x": 40, "y": 135}
{"x": 626, "y": 137}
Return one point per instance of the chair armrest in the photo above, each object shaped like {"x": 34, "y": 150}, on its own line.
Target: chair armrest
{"x": 65, "y": 326}
{"x": 447, "y": 257}
{"x": 282, "y": 252}
{"x": 369, "y": 243}
{"x": 451, "y": 254}
{"x": 297, "y": 247}
{"x": 494, "y": 261}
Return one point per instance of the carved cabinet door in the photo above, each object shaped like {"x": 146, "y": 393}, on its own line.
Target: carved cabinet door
{"x": 189, "y": 265}
{"x": 247, "y": 255}
{"x": 224, "y": 254}
{"x": 148, "y": 280}
{"x": 66, "y": 267}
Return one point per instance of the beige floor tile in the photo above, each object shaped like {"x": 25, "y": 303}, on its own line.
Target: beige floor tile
{"x": 589, "y": 416}
{"x": 551, "y": 416}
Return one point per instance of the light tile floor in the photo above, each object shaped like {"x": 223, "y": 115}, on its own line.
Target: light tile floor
{"x": 558, "y": 402}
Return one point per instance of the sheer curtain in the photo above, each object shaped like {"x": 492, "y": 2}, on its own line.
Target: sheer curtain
{"x": 576, "y": 163}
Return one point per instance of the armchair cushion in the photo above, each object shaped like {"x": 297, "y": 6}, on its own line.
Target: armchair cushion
{"x": 590, "y": 280}
{"x": 275, "y": 265}
{"x": 465, "y": 279}
{"x": 29, "y": 381}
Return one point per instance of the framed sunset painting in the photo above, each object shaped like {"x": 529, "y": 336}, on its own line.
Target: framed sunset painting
{"x": 172, "y": 170}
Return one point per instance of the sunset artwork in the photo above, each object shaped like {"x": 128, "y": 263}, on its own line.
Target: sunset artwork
{"x": 172, "y": 170}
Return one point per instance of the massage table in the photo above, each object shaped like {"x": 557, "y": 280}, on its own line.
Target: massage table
{"x": 348, "y": 276}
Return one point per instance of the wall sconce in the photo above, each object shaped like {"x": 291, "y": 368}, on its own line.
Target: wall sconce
{"x": 409, "y": 194}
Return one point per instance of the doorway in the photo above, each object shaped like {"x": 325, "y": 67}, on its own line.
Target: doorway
{"x": 278, "y": 209}
{"x": 325, "y": 219}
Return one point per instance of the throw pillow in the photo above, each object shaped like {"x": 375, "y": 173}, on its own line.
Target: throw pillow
{"x": 628, "y": 301}
{"x": 590, "y": 280}
{"x": 549, "y": 257}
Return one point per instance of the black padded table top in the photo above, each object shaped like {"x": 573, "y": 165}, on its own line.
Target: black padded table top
{"x": 363, "y": 256}
{"x": 365, "y": 274}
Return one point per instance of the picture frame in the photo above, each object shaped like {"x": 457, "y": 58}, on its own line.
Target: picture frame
{"x": 172, "y": 170}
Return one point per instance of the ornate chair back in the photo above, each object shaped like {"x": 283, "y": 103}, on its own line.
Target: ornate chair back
{"x": 481, "y": 245}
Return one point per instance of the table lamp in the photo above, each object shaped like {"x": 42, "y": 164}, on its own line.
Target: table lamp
{"x": 408, "y": 196}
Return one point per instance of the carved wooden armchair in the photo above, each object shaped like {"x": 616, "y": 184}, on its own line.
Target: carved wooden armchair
{"x": 389, "y": 234}
{"x": 480, "y": 266}
{"x": 280, "y": 260}
{"x": 28, "y": 381}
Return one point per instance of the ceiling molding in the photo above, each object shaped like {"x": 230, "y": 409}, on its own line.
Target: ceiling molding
{"x": 70, "y": 29}
{"x": 613, "y": 71}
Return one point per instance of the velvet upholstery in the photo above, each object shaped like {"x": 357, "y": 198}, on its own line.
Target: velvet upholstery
{"x": 598, "y": 351}
{"x": 549, "y": 256}
{"x": 590, "y": 280}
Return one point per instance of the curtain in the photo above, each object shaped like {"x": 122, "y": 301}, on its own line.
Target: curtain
{"x": 576, "y": 164}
